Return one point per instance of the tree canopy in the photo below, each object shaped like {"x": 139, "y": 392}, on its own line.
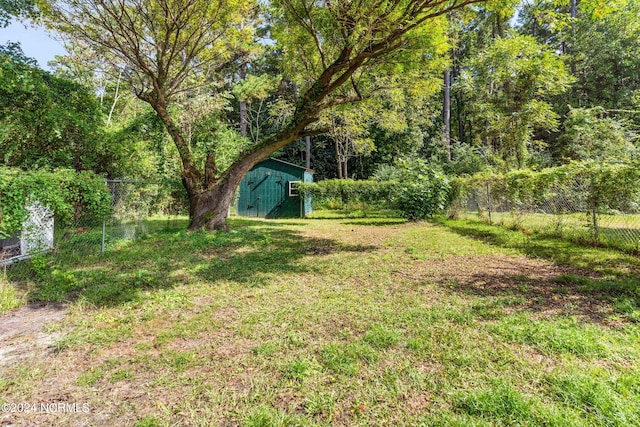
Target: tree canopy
{"x": 332, "y": 53}
{"x": 10, "y": 9}
{"x": 198, "y": 92}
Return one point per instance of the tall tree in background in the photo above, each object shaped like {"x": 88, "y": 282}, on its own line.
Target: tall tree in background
{"x": 607, "y": 58}
{"x": 510, "y": 85}
{"x": 470, "y": 32}
{"x": 446, "y": 112}
{"x": 350, "y": 133}
{"x": 341, "y": 47}
{"x": 604, "y": 54}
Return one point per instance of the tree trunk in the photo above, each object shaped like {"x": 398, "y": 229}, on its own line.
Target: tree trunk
{"x": 462, "y": 134}
{"x": 345, "y": 173}
{"x": 461, "y": 122}
{"x": 338, "y": 160}
{"x": 574, "y": 15}
{"x": 447, "y": 113}
{"x": 243, "y": 118}
{"x": 485, "y": 133}
{"x": 209, "y": 209}
{"x": 497, "y": 29}
{"x": 115, "y": 99}
{"x": 243, "y": 103}
{"x": 210, "y": 198}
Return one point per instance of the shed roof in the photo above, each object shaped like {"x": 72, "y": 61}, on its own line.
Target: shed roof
{"x": 291, "y": 164}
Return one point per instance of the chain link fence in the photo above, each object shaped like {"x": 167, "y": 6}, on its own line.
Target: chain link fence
{"x": 137, "y": 208}
{"x": 568, "y": 211}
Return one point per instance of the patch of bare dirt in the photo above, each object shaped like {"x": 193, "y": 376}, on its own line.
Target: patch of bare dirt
{"x": 234, "y": 347}
{"x": 533, "y": 280}
{"x": 419, "y": 403}
{"x": 23, "y": 332}
{"x": 226, "y": 315}
{"x": 365, "y": 236}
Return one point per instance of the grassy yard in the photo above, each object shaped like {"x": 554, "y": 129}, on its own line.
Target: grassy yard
{"x": 620, "y": 231}
{"x": 339, "y": 321}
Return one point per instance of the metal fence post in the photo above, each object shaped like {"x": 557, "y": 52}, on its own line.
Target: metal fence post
{"x": 489, "y": 206}
{"x": 104, "y": 221}
{"x": 596, "y": 229}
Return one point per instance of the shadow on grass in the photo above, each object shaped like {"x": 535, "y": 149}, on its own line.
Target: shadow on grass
{"x": 561, "y": 293}
{"x": 599, "y": 260}
{"x": 584, "y": 280}
{"x": 253, "y": 254}
{"x": 377, "y": 222}
{"x": 352, "y": 214}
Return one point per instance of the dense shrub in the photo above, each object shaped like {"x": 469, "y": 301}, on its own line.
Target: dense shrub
{"x": 71, "y": 195}
{"x": 412, "y": 187}
{"x": 47, "y": 121}
{"x": 421, "y": 192}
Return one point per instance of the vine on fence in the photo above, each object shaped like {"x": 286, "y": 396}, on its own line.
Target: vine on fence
{"x": 609, "y": 186}
{"x": 602, "y": 189}
{"x": 71, "y": 195}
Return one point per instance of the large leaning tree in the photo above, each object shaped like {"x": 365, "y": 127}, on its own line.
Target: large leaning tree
{"x": 339, "y": 50}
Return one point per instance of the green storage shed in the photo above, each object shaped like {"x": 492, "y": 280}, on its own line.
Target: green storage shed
{"x": 269, "y": 190}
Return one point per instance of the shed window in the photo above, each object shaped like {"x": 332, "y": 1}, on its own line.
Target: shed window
{"x": 293, "y": 188}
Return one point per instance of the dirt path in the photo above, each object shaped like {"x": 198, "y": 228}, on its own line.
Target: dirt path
{"x": 23, "y": 332}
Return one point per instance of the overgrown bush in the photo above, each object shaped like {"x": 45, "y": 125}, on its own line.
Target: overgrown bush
{"x": 412, "y": 187}
{"x": 71, "y": 195}
{"x": 421, "y": 191}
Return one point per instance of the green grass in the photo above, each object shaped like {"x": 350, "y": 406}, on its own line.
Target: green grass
{"x": 557, "y": 336}
{"x": 343, "y": 321}
{"x": 620, "y": 231}
{"x": 10, "y": 297}
{"x": 380, "y": 337}
{"x": 598, "y": 396}
{"x": 606, "y": 261}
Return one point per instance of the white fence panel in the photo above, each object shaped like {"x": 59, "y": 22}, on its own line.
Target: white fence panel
{"x": 37, "y": 230}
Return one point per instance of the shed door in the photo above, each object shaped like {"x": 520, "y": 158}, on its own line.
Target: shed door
{"x": 258, "y": 183}
{"x": 278, "y": 196}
